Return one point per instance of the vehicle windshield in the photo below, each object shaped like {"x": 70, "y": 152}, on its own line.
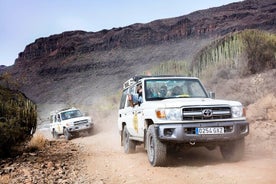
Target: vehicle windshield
{"x": 70, "y": 114}
{"x": 159, "y": 89}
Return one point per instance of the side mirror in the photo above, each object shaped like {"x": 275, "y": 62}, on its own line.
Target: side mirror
{"x": 212, "y": 95}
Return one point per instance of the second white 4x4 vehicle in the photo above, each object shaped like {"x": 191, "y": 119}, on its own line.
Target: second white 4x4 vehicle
{"x": 165, "y": 112}
{"x": 69, "y": 122}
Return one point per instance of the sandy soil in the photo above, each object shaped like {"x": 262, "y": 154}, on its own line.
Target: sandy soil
{"x": 107, "y": 163}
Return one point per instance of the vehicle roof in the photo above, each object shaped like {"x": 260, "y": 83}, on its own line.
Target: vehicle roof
{"x": 63, "y": 110}
{"x": 139, "y": 77}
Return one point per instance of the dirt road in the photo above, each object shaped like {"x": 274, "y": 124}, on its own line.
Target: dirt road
{"x": 107, "y": 163}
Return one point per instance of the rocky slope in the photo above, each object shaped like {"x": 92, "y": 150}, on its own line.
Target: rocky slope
{"x": 79, "y": 67}
{"x": 250, "y": 14}
{"x": 58, "y": 162}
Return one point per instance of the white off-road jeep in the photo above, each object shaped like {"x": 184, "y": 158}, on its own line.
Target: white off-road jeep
{"x": 176, "y": 111}
{"x": 69, "y": 122}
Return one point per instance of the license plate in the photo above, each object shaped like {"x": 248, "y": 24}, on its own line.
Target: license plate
{"x": 81, "y": 127}
{"x": 210, "y": 130}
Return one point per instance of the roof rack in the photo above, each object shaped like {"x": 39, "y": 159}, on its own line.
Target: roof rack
{"x": 136, "y": 78}
{"x": 60, "y": 110}
{"x": 128, "y": 83}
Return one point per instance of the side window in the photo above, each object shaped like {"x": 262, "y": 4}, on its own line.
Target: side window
{"x": 139, "y": 92}
{"x": 137, "y": 97}
{"x": 123, "y": 99}
{"x": 131, "y": 92}
{"x": 59, "y": 119}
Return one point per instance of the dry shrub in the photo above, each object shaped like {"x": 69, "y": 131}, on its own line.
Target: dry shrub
{"x": 263, "y": 109}
{"x": 37, "y": 142}
{"x": 5, "y": 179}
{"x": 260, "y": 49}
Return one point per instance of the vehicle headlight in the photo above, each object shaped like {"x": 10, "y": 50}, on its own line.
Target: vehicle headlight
{"x": 237, "y": 111}
{"x": 169, "y": 114}
{"x": 70, "y": 124}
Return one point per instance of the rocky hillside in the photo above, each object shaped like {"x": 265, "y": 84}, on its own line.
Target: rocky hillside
{"x": 250, "y": 14}
{"x": 79, "y": 67}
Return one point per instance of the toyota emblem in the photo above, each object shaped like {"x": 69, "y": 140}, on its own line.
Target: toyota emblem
{"x": 207, "y": 112}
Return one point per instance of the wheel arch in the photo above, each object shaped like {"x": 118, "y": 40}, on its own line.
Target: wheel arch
{"x": 123, "y": 126}
{"x": 148, "y": 122}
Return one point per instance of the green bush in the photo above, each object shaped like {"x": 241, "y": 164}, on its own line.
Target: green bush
{"x": 18, "y": 119}
{"x": 248, "y": 52}
{"x": 260, "y": 48}
{"x": 224, "y": 51}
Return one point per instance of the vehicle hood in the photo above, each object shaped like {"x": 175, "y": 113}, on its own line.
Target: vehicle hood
{"x": 78, "y": 119}
{"x": 181, "y": 102}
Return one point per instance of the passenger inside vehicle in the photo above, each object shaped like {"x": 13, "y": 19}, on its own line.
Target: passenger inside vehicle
{"x": 163, "y": 91}
{"x": 137, "y": 97}
{"x": 177, "y": 91}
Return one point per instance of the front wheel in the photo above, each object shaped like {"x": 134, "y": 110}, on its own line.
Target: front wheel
{"x": 129, "y": 145}
{"x": 233, "y": 151}
{"x": 55, "y": 134}
{"x": 67, "y": 134}
{"x": 157, "y": 151}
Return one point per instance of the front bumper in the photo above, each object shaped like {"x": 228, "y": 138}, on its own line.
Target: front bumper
{"x": 186, "y": 132}
{"x": 80, "y": 127}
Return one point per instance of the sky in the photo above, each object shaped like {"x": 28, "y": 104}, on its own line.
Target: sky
{"x": 23, "y": 21}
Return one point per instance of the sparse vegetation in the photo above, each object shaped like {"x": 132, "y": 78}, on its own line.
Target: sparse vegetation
{"x": 37, "y": 142}
{"x": 7, "y": 81}
{"x": 171, "y": 67}
{"x": 5, "y": 179}
{"x": 260, "y": 48}
{"x": 246, "y": 52}
{"x": 242, "y": 53}
{"x": 222, "y": 52}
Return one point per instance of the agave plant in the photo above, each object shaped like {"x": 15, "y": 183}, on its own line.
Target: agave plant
{"x": 18, "y": 119}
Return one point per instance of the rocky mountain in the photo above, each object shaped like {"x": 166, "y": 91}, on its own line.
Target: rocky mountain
{"x": 80, "y": 67}
{"x": 2, "y": 67}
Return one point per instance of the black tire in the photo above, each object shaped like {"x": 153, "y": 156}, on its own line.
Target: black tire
{"x": 129, "y": 145}
{"x": 67, "y": 134}
{"x": 156, "y": 150}
{"x": 55, "y": 134}
{"x": 233, "y": 151}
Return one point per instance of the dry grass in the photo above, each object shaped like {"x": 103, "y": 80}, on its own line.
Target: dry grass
{"x": 246, "y": 90}
{"x": 5, "y": 179}
{"x": 38, "y": 142}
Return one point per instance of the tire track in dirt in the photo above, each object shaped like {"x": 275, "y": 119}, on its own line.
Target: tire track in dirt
{"x": 107, "y": 163}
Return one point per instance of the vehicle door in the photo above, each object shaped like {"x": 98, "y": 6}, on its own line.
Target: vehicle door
{"x": 123, "y": 109}
{"x": 130, "y": 113}
{"x": 57, "y": 122}
{"x": 138, "y": 115}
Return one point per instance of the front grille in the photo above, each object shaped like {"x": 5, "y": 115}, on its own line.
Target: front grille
{"x": 80, "y": 122}
{"x": 206, "y": 113}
